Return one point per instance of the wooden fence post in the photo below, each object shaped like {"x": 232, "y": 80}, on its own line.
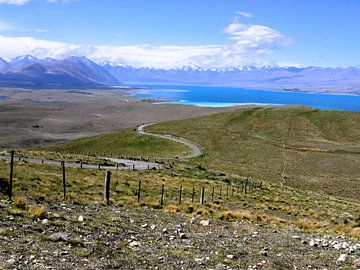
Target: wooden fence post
{"x": 99, "y": 166}
{"x": 81, "y": 165}
{"x": 133, "y": 167}
{"x": 162, "y": 195}
{"x": 220, "y": 190}
{"x": 139, "y": 191}
{"x": 64, "y": 178}
{"x": 227, "y": 191}
{"x": 193, "y": 195}
{"x": 117, "y": 166}
{"x": 10, "y": 189}
{"x": 212, "y": 194}
{"x": 180, "y": 195}
{"x": 107, "y": 187}
{"x": 245, "y": 185}
{"x": 202, "y": 195}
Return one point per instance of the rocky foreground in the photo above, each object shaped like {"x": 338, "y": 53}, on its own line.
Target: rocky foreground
{"x": 75, "y": 236}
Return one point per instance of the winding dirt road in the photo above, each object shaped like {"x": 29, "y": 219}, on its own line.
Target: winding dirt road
{"x": 195, "y": 148}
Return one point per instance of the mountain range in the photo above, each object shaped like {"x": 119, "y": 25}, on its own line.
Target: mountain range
{"x": 80, "y": 72}
{"x": 30, "y": 72}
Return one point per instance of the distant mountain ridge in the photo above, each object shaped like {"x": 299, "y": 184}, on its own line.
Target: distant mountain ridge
{"x": 30, "y": 72}
{"x": 312, "y": 79}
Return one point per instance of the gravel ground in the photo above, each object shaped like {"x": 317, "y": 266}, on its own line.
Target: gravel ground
{"x": 75, "y": 236}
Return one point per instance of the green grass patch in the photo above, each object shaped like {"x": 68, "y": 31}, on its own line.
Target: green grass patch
{"x": 123, "y": 143}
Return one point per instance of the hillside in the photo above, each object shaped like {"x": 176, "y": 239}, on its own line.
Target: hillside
{"x": 300, "y": 147}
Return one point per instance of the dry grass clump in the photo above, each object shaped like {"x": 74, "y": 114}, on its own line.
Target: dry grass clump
{"x": 311, "y": 225}
{"x": 37, "y": 211}
{"x": 355, "y": 233}
{"x": 172, "y": 208}
{"x": 235, "y": 215}
{"x": 20, "y": 202}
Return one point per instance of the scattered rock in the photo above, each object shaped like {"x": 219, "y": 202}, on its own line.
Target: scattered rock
{"x": 220, "y": 266}
{"x": 263, "y": 252}
{"x": 153, "y": 227}
{"x": 134, "y": 244}
{"x": 144, "y": 225}
{"x": 356, "y": 263}
{"x": 312, "y": 243}
{"x": 59, "y": 236}
{"x": 342, "y": 258}
{"x": 81, "y": 218}
{"x": 45, "y": 221}
{"x": 183, "y": 236}
{"x": 230, "y": 256}
{"x": 10, "y": 261}
{"x": 205, "y": 222}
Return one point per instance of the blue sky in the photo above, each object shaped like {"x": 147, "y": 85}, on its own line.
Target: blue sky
{"x": 171, "y": 33}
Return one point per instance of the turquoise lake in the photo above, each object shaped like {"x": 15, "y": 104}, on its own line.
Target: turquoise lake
{"x": 229, "y": 96}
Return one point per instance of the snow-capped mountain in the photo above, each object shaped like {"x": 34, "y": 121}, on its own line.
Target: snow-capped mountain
{"x": 28, "y": 71}
{"x": 317, "y": 79}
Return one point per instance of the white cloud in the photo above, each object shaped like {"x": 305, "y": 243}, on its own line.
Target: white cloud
{"x": 14, "y": 2}
{"x": 244, "y": 14}
{"x": 248, "y": 44}
{"x": 255, "y": 40}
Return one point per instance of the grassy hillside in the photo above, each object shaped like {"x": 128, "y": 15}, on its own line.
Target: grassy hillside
{"x": 281, "y": 206}
{"x": 123, "y": 143}
{"x": 301, "y": 147}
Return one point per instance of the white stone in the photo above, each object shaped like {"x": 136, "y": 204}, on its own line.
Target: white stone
{"x": 342, "y": 258}
{"x": 205, "y": 222}
{"x": 81, "y": 218}
{"x": 134, "y": 244}
{"x": 230, "y": 256}
{"x": 45, "y": 221}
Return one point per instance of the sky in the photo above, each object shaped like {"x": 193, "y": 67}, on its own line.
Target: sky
{"x": 177, "y": 33}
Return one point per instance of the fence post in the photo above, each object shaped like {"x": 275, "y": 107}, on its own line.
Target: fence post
{"x": 180, "y": 195}
{"x": 220, "y": 190}
{"x": 202, "y": 195}
{"x": 107, "y": 187}
{"x": 64, "y": 178}
{"x": 193, "y": 195}
{"x": 10, "y": 192}
{"x": 227, "y": 191}
{"x": 212, "y": 194}
{"x": 133, "y": 167}
{"x": 99, "y": 166}
{"x": 139, "y": 191}
{"x": 162, "y": 195}
{"x": 117, "y": 166}
{"x": 81, "y": 165}
{"x": 245, "y": 185}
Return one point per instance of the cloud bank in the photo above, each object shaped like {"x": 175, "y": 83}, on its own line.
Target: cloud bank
{"x": 14, "y": 2}
{"x": 247, "y": 45}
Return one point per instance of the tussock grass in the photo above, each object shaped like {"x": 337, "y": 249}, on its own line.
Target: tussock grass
{"x": 276, "y": 204}
{"x": 355, "y": 233}
{"x": 37, "y": 211}
{"x": 235, "y": 215}
{"x": 20, "y": 202}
